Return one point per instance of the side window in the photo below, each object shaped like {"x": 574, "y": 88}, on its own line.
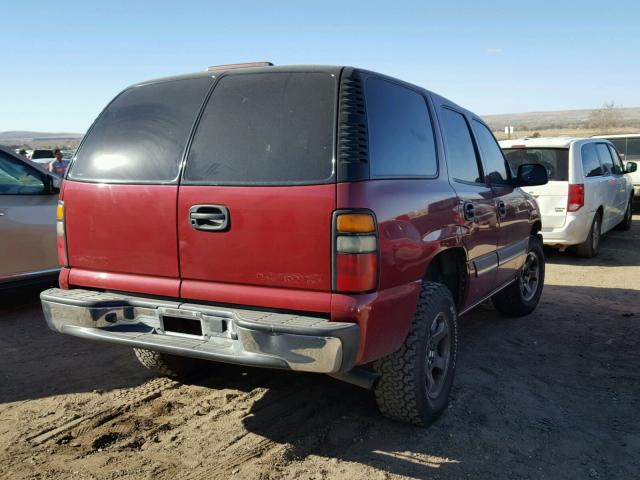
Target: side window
{"x": 461, "y": 156}
{"x": 620, "y": 144}
{"x": 16, "y": 178}
{"x": 633, "y": 149}
{"x": 618, "y": 168}
{"x": 492, "y": 158}
{"x": 605, "y": 158}
{"x": 590, "y": 162}
{"x": 401, "y": 139}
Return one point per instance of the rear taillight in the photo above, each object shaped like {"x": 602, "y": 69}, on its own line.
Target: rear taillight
{"x": 355, "y": 245}
{"x": 61, "y": 235}
{"x": 576, "y": 197}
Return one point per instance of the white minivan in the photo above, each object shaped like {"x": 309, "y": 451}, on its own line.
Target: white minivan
{"x": 589, "y": 191}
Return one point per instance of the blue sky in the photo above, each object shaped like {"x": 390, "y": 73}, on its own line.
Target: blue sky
{"x": 63, "y": 61}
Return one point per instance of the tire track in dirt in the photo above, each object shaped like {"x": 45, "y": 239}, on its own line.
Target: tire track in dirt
{"x": 131, "y": 397}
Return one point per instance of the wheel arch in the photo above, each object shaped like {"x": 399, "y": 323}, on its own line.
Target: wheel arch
{"x": 449, "y": 267}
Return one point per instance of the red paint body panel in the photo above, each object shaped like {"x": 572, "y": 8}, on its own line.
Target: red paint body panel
{"x": 153, "y": 285}
{"x": 278, "y": 236}
{"x": 382, "y": 317}
{"x": 63, "y": 278}
{"x": 122, "y": 228}
{"x": 258, "y": 296}
{"x": 416, "y": 220}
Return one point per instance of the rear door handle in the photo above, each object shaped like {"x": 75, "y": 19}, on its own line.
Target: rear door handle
{"x": 469, "y": 211}
{"x": 210, "y": 218}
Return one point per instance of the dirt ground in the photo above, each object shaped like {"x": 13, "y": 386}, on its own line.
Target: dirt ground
{"x": 553, "y": 395}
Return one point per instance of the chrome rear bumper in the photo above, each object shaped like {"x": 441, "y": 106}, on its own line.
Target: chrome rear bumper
{"x": 246, "y": 337}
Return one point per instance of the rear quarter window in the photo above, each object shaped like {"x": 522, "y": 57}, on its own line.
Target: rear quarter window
{"x": 401, "y": 141}
{"x": 141, "y": 136}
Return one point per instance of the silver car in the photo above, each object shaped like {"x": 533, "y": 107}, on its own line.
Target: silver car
{"x": 28, "y": 199}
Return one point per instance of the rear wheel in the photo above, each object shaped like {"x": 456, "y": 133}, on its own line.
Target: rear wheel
{"x": 522, "y": 296}
{"x": 625, "y": 224}
{"x": 591, "y": 246}
{"x": 168, "y": 365}
{"x": 415, "y": 381}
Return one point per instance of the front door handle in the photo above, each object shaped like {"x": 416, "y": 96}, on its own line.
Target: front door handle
{"x": 502, "y": 209}
{"x": 469, "y": 211}
{"x": 210, "y": 218}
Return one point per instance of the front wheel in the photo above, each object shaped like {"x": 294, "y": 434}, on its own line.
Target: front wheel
{"x": 522, "y": 296}
{"x": 415, "y": 381}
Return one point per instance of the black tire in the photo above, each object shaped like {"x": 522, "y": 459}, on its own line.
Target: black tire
{"x": 522, "y": 296}
{"x": 168, "y": 365}
{"x": 404, "y": 391}
{"x": 591, "y": 246}
{"x": 626, "y": 222}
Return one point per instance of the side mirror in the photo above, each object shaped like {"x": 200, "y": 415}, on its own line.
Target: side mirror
{"x": 630, "y": 167}
{"x": 531, "y": 174}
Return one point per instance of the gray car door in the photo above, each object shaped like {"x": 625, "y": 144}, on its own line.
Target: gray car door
{"x": 27, "y": 221}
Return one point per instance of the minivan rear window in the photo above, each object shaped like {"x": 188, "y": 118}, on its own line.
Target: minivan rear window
{"x": 555, "y": 160}
{"x": 266, "y": 129}
{"x": 140, "y": 137}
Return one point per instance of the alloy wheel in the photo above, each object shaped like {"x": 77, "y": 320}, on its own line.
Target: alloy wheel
{"x": 438, "y": 355}
{"x": 530, "y": 276}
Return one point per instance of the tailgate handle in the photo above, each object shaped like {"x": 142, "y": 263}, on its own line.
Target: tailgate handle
{"x": 210, "y": 218}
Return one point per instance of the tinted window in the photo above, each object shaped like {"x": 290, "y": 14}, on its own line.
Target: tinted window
{"x": 16, "y": 178}
{"x": 605, "y": 158}
{"x": 492, "y": 158}
{"x": 267, "y": 128}
{"x": 41, "y": 154}
{"x": 618, "y": 168}
{"x": 141, "y": 135}
{"x": 554, "y": 160}
{"x": 590, "y": 162}
{"x": 461, "y": 156}
{"x": 620, "y": 144}
{"x": 400, "y": 134}
{"x": 633, "y": 149}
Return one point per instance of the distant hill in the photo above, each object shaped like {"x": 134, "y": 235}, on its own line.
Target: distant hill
{"x": 20, "y": 139}
{"x": 26, "y": 135}
{"x": 629, "y": 117}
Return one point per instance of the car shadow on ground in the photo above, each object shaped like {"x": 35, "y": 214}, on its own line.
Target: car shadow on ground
{"x": 37, "y": 362}
{"x": 531, "y": 390}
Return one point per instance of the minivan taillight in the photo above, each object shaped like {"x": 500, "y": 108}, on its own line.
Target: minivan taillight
{"x": 61, "y": 238}
{"x": 355, "y": 244}
{"x": 576, "y": 197}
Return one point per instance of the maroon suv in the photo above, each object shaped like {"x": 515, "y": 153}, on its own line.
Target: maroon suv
{"x": 313, "y": 218}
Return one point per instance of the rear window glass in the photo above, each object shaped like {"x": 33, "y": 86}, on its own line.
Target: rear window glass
{"x": 266, "y": 128}
{"x": 554, "y": 160}
{"x": 141, "y": 135}
{"x": 41, "y": 154}
{"x": 401, "y": 140}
